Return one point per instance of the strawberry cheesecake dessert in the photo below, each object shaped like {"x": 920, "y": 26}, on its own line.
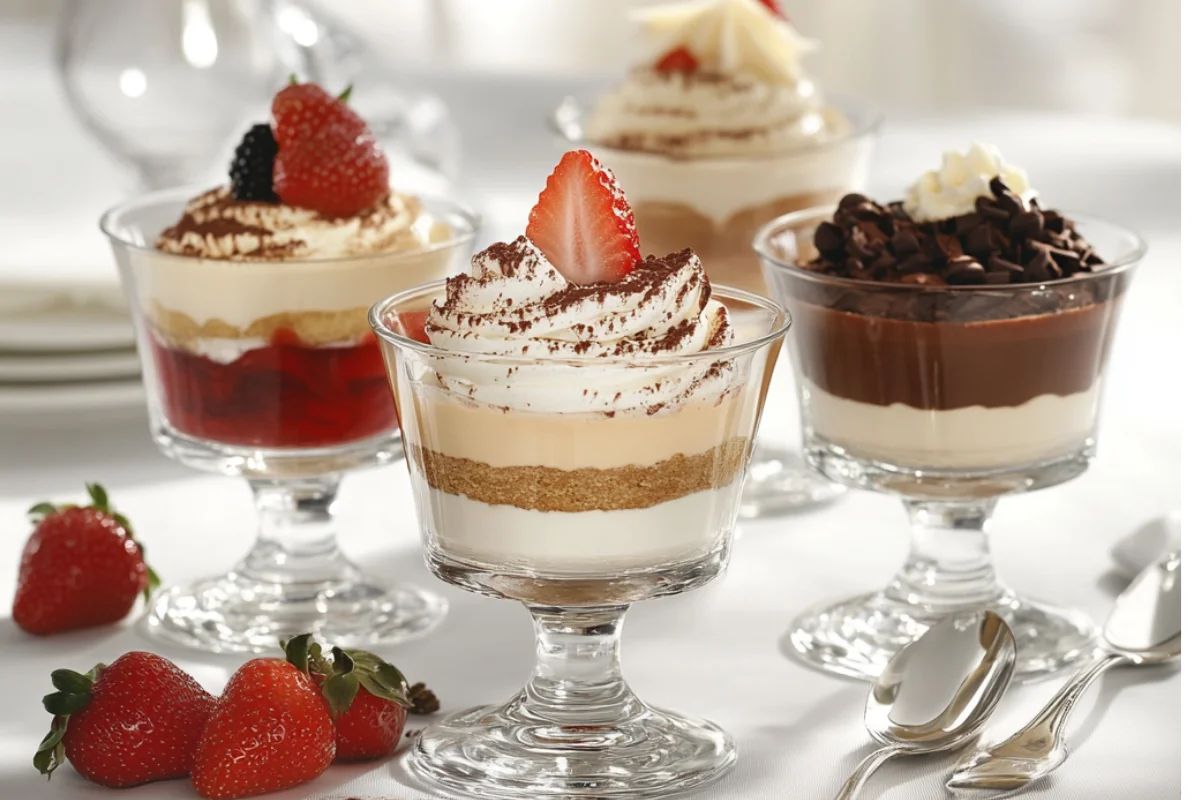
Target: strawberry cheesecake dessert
{"x": 721, "y": 130}
{"x": 250, "y": 301}
{"x": 254, "y": 300}
{"x": 578, "y": 417}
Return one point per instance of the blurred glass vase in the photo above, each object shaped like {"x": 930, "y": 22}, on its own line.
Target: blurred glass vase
{"x": 166, "y": 84}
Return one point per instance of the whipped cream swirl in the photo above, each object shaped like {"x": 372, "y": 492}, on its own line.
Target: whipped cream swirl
{"x": 702, "y": 115}
{"x": 513, "y": 302}
{"x": 748, "y": 95}
{"x": 964, "y": 177}
{"x": 216, "y": 225}
{"x": 730, "y": 37}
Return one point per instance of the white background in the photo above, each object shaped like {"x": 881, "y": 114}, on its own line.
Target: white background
{"x": 714, "y": 652}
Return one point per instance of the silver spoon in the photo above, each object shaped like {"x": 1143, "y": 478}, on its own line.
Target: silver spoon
{"x": 1143, "y": 628}
{"x": 937, "y": 693}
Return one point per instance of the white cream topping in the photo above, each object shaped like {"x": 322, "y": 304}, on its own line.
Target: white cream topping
{"x": 730, "y": 37}
{"x": 684, "y": 529}
{"x": 214, "y": 225}
{"x": 515, "y": 303}
{"x": 963, "y": 178}
{"x": 692, "y": 116}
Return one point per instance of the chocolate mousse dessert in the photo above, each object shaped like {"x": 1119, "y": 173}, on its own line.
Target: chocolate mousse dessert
{"x": 721, "y": 130}
{"x": 962, "y": 329}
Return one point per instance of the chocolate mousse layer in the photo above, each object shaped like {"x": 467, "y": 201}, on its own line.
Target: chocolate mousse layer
{"x": 898, "y": 323}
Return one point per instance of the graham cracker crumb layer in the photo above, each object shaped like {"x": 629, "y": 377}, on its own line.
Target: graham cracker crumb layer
{"x": 724, "y": 247}
{"x": 313, "y": 328}
{"x": 587, "y": 489}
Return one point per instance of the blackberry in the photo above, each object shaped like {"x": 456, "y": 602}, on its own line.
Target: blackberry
{"x": 253, "y": 161}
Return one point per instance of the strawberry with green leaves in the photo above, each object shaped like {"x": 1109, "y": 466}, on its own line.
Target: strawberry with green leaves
{"x": 328, "y": 159}
{"x": 81, "y": 567}
{"x": 369, "y": 698}
{"x": 271, "y": 730}
{"x": 134, "y": 721}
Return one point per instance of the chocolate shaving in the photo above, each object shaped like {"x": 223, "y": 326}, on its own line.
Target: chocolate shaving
{"x": 1003, "y": 241}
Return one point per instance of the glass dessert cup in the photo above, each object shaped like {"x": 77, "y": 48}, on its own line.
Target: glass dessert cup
{"x": 576, "y": 515}
{"x": 268, "y": 370}
{"x": 950, "y": 397}
{"x": 715, "y": 206}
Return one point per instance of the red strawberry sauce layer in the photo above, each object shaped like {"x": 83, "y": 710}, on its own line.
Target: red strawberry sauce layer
{"x": 284, "y": 394}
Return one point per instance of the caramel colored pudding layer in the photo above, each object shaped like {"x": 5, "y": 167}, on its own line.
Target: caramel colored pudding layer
{"x": 614, "y": 489}
{"x": 724, "y": 247}
{"x": 458, "y": 429}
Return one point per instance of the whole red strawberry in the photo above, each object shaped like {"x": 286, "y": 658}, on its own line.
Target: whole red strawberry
{"x": 328, "y": 160}
{"x": 81, "y": 567}
{"x": 271, "y": 730}
{"x": 134, "y": 721}
{"x": 369, "y": 698}
{"x": 583, "y": 223}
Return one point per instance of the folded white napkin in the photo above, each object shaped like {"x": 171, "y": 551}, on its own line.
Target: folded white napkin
{"x": 1147, "y": 544}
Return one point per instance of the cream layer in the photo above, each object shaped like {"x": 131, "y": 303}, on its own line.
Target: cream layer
{"x": 721, "y": 187}
{"x": 498, "y": 438}
{"x": 1046, "y": 427}
{"x": 237, "y": 293}
{"x": 595, "y": 542}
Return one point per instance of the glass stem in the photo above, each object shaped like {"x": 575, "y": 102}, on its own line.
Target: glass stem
{"x": 577, "y": 678}
{"x": 949, "y": 567}
{"x": 296, "y": 541}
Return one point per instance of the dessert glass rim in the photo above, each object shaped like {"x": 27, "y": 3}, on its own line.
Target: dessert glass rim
{"x": 783, "y": 321}
{"x": 1123, "y": 263}
{"x": 568, "y": 116}
{"x": 472, "y": 222}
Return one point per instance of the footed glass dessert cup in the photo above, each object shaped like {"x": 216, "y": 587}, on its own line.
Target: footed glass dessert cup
{"x": 950, "y": 397}
{"x": 715, "y": 205}
{"x": 577, "y": 515}
{"x": 268, "y": 370}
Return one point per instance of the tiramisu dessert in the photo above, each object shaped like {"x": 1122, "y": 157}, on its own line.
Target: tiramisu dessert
{"x": 571, "y": 419}
{"x": 256, "y": 299}
{"x": 957, "y": 329}
{"x": 721, "y": 131}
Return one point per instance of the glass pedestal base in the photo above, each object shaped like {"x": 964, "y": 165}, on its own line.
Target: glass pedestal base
{"x": 857, "y": 637}
{"x": 779, "y": 481}
{"x": 237, "y": 613}
{"x": 509, "y": 752}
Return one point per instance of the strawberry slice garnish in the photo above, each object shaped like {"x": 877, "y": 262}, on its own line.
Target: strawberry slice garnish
{"x": 583, "y": 224}
{"x": 328, "y": 160}
{"x": 678, "y": 60}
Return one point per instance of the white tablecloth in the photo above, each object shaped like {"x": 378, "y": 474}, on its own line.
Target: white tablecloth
{"x": 715, "y": 652}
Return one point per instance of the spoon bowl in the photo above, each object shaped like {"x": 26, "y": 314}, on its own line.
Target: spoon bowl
{"x": 937, "y": 693}
{"x": 1145, "y": 627}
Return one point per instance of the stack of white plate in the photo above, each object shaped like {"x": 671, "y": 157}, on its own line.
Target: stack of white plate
{"x": 66, "y": 350}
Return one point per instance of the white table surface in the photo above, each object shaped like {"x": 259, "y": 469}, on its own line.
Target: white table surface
{"x": 715, "y": 652}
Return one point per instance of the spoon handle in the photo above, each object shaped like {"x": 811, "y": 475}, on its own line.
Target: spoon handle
{"x": 1039, "y": 747}
{"x": 865, "y": 768}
